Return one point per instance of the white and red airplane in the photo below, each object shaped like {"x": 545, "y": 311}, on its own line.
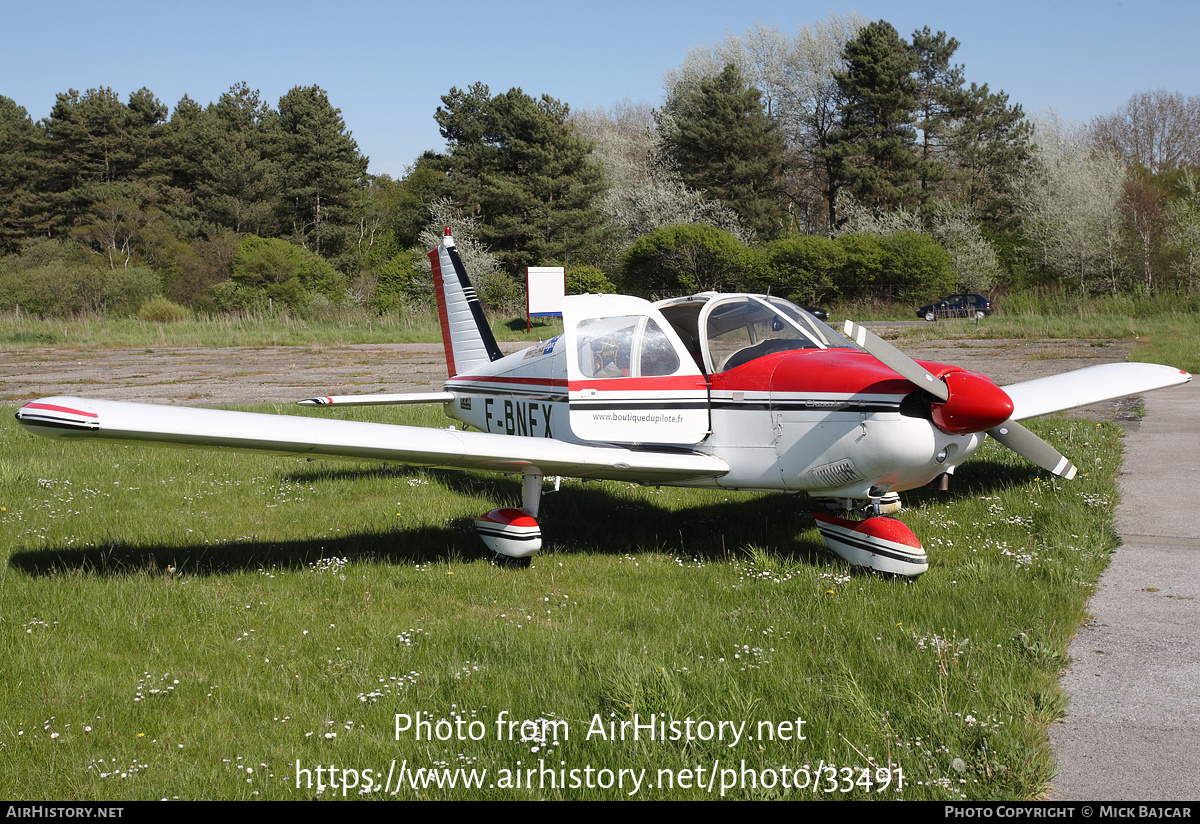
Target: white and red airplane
{"x": 730, "y": 391}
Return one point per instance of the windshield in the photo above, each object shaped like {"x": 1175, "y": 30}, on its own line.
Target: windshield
{"x": 741, "y": 328}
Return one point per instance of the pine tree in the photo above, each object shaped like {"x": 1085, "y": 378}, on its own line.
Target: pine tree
{"x": 99, "y": 149}
{"x": 991, "y": 145}
{"x": 872, "y": 154}
{"x": 521, "y": 167}
{"x": 242, "y": 186}
{"x": 23, "y": 208}
{"x": 726, "y": 145}
{"x": 320, "y": 166}
{"x": 941, "y": 101}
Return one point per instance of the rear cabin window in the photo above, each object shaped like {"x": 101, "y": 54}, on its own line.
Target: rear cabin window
{"x": 626, "y": 346}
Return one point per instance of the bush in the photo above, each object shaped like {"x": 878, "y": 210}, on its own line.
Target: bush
{"x": 230, "y": 298}
{"x": 121, "y": 292}
{"x": 585, "y": 279}
{"x": 284, "y": 271}
{"x": 915, "y": 267}
{"x": 401, "y": 279}
{"x": 682, "y": 260}
{"x": 499, "y": 292}
{"x": 804, "y": 268}
{"x": 62, "y": 289}
{"x": 207, "y": 262}
{"x": 52, "y": 289}
{"x": 861, "y": 271}
{"x": 161, "y": 310}
{"x": 39, "y": 251}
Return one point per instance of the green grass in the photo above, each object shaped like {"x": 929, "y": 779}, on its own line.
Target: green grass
{"x": 193, "y": 624}
{"x": 354, "y": 327}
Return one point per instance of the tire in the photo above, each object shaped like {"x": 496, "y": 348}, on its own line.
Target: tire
{"x": 930, "y": 316}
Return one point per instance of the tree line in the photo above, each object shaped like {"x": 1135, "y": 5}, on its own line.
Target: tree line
{"x": 839, "y": 162}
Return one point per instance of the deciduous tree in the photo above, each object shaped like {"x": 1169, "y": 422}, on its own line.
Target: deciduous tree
{"x": 645, "y": 191}
{"x": 1070, "y": 203}
{"x": 1183, "y": 233}
{"x": 1157, "y": 130}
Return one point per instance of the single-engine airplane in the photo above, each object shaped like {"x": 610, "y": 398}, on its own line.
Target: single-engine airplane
{"x": 731, "y": 391}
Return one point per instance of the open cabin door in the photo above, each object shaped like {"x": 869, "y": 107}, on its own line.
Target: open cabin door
{"x": 629, "y": 376}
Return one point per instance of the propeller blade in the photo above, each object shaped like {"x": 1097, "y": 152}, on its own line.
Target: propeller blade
{"x": 896, "y": 360}
{"x": 1029, "y": 446}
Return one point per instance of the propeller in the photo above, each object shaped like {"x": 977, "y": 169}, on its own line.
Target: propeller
{"x": 966, "y": 403}
{"x": 1032, "y": 448}
{"x": 897, "y": 361}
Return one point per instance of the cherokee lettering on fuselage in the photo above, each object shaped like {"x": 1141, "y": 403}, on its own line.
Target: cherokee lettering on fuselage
{"x": 513, "y": 417}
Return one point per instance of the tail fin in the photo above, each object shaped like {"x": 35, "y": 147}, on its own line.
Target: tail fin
{"x": 465, "y": 333}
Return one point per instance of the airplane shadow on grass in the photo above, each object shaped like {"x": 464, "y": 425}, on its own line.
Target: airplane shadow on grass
{"x": 580, "y": 518}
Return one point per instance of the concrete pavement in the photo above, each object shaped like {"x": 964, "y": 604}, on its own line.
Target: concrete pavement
{"x": 1132, "y": 728}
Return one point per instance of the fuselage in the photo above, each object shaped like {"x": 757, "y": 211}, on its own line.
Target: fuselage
{"x": 831, "y": 421}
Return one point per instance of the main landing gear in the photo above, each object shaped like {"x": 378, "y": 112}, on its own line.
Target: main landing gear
{"x": 878, "y": 542}
{"x": 514, "y": 534}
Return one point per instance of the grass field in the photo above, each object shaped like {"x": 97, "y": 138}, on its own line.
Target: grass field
{"x": 182, "y": 624}
{"x": 419, "y": 325}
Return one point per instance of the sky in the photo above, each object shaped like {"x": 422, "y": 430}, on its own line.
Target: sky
{"x": 385, "y": 65}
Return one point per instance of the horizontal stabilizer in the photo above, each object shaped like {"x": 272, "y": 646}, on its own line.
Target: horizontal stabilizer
{"x": 379, "y": 400}
{"x": 1090, "y": 385}
{"x": 80, "y": 418}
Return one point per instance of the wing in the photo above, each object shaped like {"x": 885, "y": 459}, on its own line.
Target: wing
{"x": 1090, "y": 385}
{"x": 77, "y": 418}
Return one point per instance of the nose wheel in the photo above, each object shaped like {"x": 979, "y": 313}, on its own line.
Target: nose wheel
{"x": 879, "y": 543}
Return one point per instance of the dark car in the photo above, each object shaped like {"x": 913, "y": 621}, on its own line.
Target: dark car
{"x": 957, "y": 306}
{"x": 819, "y": 314}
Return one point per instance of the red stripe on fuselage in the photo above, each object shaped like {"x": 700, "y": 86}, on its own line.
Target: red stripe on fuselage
{"x": 671, "y": 383}
{"x": 844, "y": 372}
{"x": 507, "y": 379}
